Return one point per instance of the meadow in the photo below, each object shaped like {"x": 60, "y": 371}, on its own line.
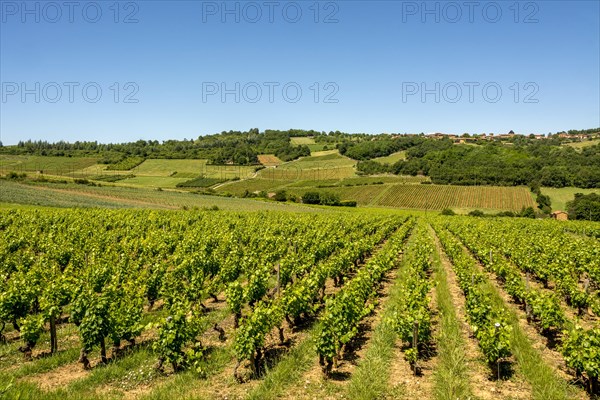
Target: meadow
{"x": 392, "y": 158}
{"x": 560, "y": 196}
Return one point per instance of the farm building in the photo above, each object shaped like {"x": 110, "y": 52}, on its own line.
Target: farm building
{"x": 560, "y": 215}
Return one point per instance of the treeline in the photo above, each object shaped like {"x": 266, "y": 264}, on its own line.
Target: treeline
{"x": 377, "y": 147}
{"x": 536, "y": 162}
{"x": 366, "y": 147}
{"x": 580, "y": 132}
{"x": 519, "y": 160}
{"x": 233, "y": 147}
{"x": 584, "y": 207}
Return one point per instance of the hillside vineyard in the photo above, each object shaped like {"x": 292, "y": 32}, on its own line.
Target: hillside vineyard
{"x": 212, "y": 304}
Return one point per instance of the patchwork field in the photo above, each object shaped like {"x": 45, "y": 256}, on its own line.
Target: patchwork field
{"x": 46, "y": 165}
{"x": 73, "y": 195}
{"x": 560, "y": 196}
{"x": 331, "y": 165}
{"x": 392, "y": 158}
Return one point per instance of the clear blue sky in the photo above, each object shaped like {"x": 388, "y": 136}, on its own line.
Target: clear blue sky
{"x": 370, "y": 60}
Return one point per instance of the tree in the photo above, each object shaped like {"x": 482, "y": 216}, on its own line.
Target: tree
{"x": 280, "y": 195}
{"x": 329, "y": 199}
{"x": 544, "y": 203}
{"x": 584, "y": 207}
{"x": 528, "y": 212}
{"x": 311, "y": 198}
{"x": 555, "y": 177}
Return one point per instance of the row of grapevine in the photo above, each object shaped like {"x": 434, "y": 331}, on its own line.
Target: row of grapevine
{"x": 543, "y": 306}
{"x": 551, "y": 255}
{"x": 247, "y": 284}
{"x": 411, "y": 316}
{"x": 300, "y": 297}
{"x": 99, "y": 269}
{"x": 490, "y": 322}
{"x": 343, "y": 313}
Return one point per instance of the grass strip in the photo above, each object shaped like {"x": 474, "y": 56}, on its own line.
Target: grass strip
{"x": 451, "y": 377}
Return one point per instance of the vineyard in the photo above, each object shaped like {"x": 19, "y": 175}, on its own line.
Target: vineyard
{"x": 437, "y": 197}
{"x": 146, "y": 304}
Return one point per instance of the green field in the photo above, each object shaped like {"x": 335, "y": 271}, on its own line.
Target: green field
{"x": 324, "y": 153}
{"x": 169, "y": 167}
{"x": 331, "y": 165}
{"x": 151, "y": 173}
{"x": 392, "y": 158}
{"x": 99, "y": 169}
{"x": 153, "y": 181}
{"x": 73, "y": 195}
{"x": 581, "y": 145}
{"x": 45, "y": 165}
{"x": 364, "y": 195}
{"x": 560, "y": 196}
{"x": 169, "y": 173}
{"x": 238, "y": 188}
{"x": 313, "y": 146}
{"x": 304, "y": 140}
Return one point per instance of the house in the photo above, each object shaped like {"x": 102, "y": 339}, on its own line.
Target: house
{"x": 560, "y": 215}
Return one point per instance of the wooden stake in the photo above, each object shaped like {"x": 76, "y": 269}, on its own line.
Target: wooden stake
{"x": 53, "y": 339}
{"x": 496, "y": 325}
{"x": 415, "y": 343}
{"x": 527, "y": 306}
{"x": 278, "y": 277}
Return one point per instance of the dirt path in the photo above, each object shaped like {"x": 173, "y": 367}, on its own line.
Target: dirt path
{"x": 483, "y": 387}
